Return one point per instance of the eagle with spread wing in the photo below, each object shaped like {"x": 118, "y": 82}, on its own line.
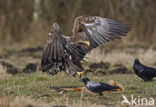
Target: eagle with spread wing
{"x": 65, "y": 53}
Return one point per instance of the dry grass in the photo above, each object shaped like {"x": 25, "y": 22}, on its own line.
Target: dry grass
{"x": 34, "y": 89}
{"x": 3, "y": 74}
{"x": 22, "y": 89}
{"x": 122, "y": 56}
{"x": 20, "y": 101}
{"x": 18, "y": 24}
{"x": 27, "y": 101}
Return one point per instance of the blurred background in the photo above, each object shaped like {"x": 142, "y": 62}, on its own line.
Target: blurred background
{"x": 28, "y": 21}
{"x": 24, "y": 25}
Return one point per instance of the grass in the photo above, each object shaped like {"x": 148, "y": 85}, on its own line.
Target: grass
{"x": 35, "y": 89}
{"x": 122, "y": 55}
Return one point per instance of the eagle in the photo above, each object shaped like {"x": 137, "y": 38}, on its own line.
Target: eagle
{"x": 65, "y": 53}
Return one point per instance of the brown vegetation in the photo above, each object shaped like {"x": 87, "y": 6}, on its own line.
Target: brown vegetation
{"x": 26, "y": 20}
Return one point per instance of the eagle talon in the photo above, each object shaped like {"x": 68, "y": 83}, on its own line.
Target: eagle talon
{"x": 87, "y": 43}
{"x": 80, "y": 73}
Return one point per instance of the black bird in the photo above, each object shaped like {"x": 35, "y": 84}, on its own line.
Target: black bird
{"x": 99, "y": 87}
{"x": 144, "y": 72}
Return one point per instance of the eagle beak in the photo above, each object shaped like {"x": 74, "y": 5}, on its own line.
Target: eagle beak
{"x": 87, "y": 43}
{"x": 80, "y": 73}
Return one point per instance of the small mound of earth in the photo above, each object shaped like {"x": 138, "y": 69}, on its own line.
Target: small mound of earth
{"x": 59, "y": 106}
{"x": 31, "y": 67}
{"x": 11, "y": 69}
{"x": 32, "y": 49}
{"x": 102, "y": 72}
{"x": 119, "y": 69}
{"x": 99, "y": 65}
{"x": 29, "y": 105}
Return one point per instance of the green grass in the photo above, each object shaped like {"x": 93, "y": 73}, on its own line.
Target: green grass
{"x": 38, "y": 85}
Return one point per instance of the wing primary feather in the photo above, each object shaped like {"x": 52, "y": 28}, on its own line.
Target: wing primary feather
{"x": 101, "y": 38}
{"x": 74, "y": 51}
{"x": 97, "y": 38}
{"x": 47, "y": 52}
{"x": 92, "y": 42}
{"x": 59, "y": 51}
{"x": 51, "y": 51}
{"x": 55, "y": 48}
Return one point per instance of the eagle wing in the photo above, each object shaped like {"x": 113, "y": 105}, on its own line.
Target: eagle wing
{"x": 98, "y": 30}
{"x": 53, "y": 51}
{"x": 59, "y": 54}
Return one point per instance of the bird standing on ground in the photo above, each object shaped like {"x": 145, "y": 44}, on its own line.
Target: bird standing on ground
{"x": 99, "y": 87}
{"x": 62, "y": 53}
{"x": 144, "y": 72}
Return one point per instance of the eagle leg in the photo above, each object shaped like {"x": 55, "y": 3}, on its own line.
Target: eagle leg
{"x": 87, "y": 43}
{"x": 80, "y": 73}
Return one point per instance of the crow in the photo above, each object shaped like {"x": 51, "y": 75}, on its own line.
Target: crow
{"x": 144, "y": 72}
{"x": 99, "y": 87}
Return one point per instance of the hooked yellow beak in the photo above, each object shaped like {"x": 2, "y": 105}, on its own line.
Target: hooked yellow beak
{"x": 80, "y": 73}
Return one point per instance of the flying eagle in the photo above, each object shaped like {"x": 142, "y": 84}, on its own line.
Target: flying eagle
{"x": 64, "y": 53}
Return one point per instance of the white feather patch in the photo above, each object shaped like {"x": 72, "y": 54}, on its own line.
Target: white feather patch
{"x": 50, "y": 33}
{"x": 87, "y": 25}
{"x": 90, "y": 32}
{"x": 70, "y": 57}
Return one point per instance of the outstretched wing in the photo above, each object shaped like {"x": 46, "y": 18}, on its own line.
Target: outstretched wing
{"x": 98, "y": 30}
{"x": 59, "y": 54}
{"x": 54, "y": 51}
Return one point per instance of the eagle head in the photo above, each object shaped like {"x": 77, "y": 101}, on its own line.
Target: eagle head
{"x": 55, "y": 28}
{"x": 54, "y": 32}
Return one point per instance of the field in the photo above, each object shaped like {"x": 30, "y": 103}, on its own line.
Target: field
{"x": 24, "y": 26}
{"x": 38, "y": 89}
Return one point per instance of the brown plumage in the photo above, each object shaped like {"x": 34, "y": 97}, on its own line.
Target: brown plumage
{"x": 65, "y": 53}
